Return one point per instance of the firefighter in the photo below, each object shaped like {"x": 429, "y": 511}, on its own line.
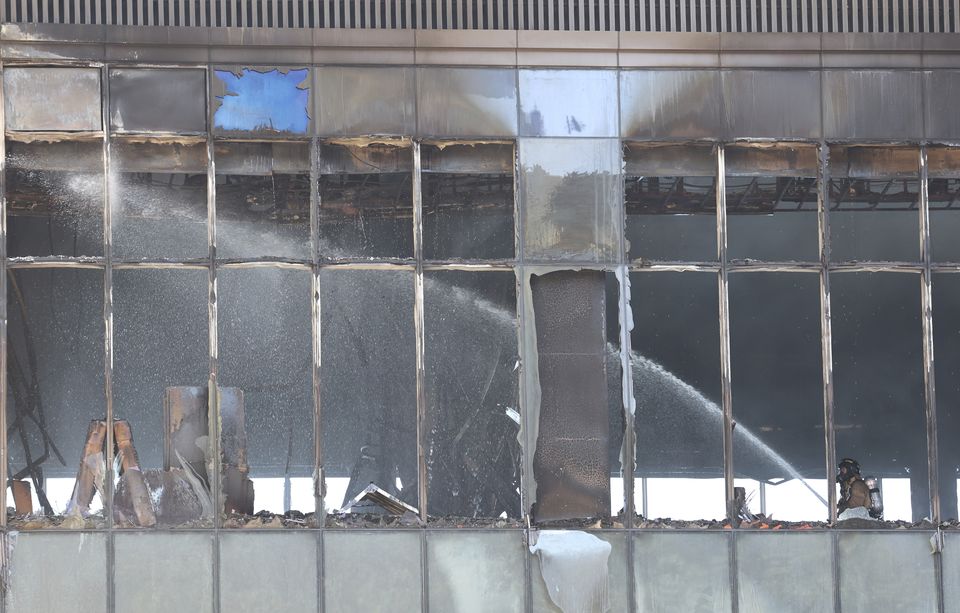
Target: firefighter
{"x": 854, "y": 491}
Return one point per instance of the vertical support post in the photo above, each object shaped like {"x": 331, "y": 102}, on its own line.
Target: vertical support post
{"x": 3, "y": 312}
{"x": 420, "y": 339}
{"x": 315, "y": 312}
{"x": 929, "y": 379}
{"x": 213, "y": 393}
{"x": 826, "y": 329}
{"x": 108, "y": 476}
{"x": 725, "y": 372}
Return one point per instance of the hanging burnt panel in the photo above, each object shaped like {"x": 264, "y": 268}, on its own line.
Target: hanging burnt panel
{"x": 571, "y": 463}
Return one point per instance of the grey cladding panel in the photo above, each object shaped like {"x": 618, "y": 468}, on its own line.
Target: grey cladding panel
{"x": 887, "y": 572}
{"x": 353, "y": 101}
{"x": 769, "y": 103}
{"x": 377, "y": 572}
{"x": 145, "y": 100}
{"x": 942, "y": 89}
{"x": 475, "y": 572}
{"x": 55, "y": 99}
{"x": 670, "y": 104}
{"x": 785, "y": 572}
{"x": 668, "y": 565}
{"x": 49, "y": 570}
{"x": 268, "y": 572}
{"x": 872, "y": 104}
{"x": 467, "y": 101}
{"x": 163, "y": 572}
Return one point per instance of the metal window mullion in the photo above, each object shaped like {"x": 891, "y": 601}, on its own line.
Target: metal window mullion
{"x": 420, "y": 338}
{"x": 826, "y": 325}
{"x": 213, "y": 392}
{"x": 929, "y": 378}
{"x": 315, "y": 312}
{"x": 726, "y": 387}
{"x": 3, "y": 326}
{"x": 108, "y": 477}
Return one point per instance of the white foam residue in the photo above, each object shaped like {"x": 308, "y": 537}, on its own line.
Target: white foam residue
{"x": 574, "y": 569}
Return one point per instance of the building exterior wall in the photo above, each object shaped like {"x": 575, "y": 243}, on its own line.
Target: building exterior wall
{"x": 566, "y": 114}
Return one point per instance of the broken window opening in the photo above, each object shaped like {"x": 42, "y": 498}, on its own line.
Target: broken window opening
{"x": 944, "y": 197}
{"x": 946, "y": 326}
{"x": 261, "y": 100}
{"x": 874, "y": 203}
{"x": 772, "y": 203}
{"x": 368, "y": 395}
{"x": 468, "y": 210}
{"x": 879, "y": 412}
{"x": 265, "y": 355}
{"x": 55, "y": 391}
{"x": 160, "y": 390}
{"x": 778, "y": 442}
{"x": 158, "y": 200}
{"x": 676, "y": 382}
{"x": 54, "y": 198}
{"x": 473, "y": 411}
{"x": 263, "y": 200}
{"x": 671, "y": 202}
{"x": 366, "y": 201}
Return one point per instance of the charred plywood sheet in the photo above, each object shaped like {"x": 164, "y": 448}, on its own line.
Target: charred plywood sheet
{"x": 157, "y": 100}
{"x": 261, "y": 101}
{"x": 52, "y": 99}
{"x": 571, "y": 463}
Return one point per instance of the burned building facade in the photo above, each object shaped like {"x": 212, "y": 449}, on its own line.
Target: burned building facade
{"x": 338, "y": 306}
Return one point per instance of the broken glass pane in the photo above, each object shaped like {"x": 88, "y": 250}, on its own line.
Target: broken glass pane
{"x": 467, "y": 201}
{"x": 778, "y": 394}
{"x": 55, "y": 392}
{"x": 944, "y": 193}
{"x": 879, "y": 411}
{"x": 946, "y": 342}
{"x": 263, "y": 200}
{"x": 264, "y": 320}
{"x": 874, "y": 204}
{"x": 261, "y": 100}
{"x": 54, "y": 198}
{"x": 160, "y": 390}
{"x": 772, "y": 203}
{"x": 52, "y": 98}
{"x": 571, "y": 199}
{"x": 671, "y": 199}
{"x": 473, "y": 455}
{"x": 368, "y": 389}
{"x": 676, "y": 383}
{"x": 366, "y": 201}
{"x": 159, "y": 200}
{"x": 152, "y": 100}
{"x": 568, "y": 103}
